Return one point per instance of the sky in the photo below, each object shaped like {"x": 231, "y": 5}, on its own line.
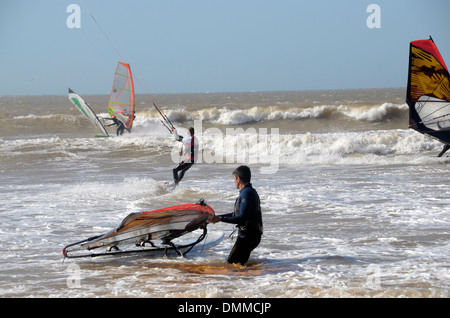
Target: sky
{"x": 196, "y": 46}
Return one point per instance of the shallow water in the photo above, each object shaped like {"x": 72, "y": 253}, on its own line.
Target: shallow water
{"x": 354, "y": 203}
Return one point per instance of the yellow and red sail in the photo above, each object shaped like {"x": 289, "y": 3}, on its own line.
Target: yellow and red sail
{"x": 428, "y": 91}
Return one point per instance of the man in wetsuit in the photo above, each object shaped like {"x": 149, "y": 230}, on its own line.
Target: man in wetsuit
{"x": 120, "y": 125}
{"x": 191, "y": 151}
{"x": 247, "y": 217}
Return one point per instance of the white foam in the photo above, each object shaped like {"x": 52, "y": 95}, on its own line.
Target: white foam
{"x": 370, "y": 147}
{"x": 231, "y": 116}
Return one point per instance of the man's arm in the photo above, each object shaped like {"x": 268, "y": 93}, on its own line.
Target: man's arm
{"x": 223, "y": 217}
{"x": 243, "y": 212}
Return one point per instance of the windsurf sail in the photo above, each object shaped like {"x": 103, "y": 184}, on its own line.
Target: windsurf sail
{"x": 84, "y": 108}
{"x": 121, "y": 100}
{"x": 143, "y": 228}
{"x": 428, "y": 92}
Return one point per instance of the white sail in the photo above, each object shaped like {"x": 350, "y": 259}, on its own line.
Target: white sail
{"x": 84, "y": 108}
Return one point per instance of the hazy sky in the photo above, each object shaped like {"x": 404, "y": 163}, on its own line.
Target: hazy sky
{"x": 187, "y": 46}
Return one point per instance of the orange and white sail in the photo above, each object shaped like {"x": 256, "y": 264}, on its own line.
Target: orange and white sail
{"x": 121, "y": 100}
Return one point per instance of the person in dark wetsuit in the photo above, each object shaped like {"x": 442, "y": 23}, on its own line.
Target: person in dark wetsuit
{"x": 247, "y": 217}
{"x": 120, "y": 125}
{"x": 191, "y": 151}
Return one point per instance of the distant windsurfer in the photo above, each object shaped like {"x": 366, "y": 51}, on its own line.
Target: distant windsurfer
{"x": 120, "y": 125}
{"x": 191, "y": 150}
{"x": 247, "y": 217}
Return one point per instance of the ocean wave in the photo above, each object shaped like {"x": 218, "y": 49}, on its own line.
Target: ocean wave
{"x": 223, "y": 116}
{"x": 261, "y": 147}
{"x": 371, "y": 147}
{"x": 230, "y": 116}
{"x": 383, "y": 112}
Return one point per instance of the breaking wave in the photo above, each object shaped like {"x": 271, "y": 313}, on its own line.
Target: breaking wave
{"x": 228, "y": 116}
{"x": 370, "y": 147}
{"x": 248, "y": 146}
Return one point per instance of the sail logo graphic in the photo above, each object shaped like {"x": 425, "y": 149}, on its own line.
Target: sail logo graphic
{"x": 374, "y": 19}
{"x": 73, "y": 21}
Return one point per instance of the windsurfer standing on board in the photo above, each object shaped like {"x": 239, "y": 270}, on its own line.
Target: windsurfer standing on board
{"x": 191, "y": 150}
{"x": 120, "y": 125}
{"x": 247, "y": 217}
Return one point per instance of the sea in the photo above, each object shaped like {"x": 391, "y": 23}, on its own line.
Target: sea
{"x": 355, "y": 204}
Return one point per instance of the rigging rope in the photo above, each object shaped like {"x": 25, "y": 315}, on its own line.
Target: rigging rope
{"x": 107, "y": 37}
{"x": 165, "y": 121}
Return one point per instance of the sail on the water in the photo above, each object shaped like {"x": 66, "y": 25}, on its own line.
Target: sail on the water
{"x": 428, "y": 92}
{"x": 141, "y": 229}
{"x": 84, "y": 108}
{"x": 163, "y": 224}
{"x": 121, "y": 99}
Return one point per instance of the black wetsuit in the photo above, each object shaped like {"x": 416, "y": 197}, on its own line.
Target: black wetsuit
{"x": 191, "y": 145}
{"x": 120, "y": 125}
{"x": 248, "y": 218}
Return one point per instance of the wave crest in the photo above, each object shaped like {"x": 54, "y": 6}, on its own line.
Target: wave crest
{"x": 228, "y": 116}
